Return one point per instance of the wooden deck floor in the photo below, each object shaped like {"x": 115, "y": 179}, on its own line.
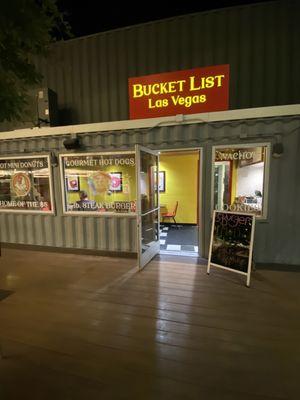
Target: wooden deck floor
{"x": 86, "y": 327}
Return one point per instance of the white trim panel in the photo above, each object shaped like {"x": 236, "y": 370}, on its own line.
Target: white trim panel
{"x": 229, "y": 115}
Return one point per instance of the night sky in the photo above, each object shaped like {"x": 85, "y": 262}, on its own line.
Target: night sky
{"x": 86, "y": 17}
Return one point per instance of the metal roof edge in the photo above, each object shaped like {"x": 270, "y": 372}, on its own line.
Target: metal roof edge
{"x": 218, "y": 116}
{"x": 172, "y": 18}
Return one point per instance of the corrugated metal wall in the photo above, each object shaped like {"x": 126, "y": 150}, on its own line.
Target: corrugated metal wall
{"x": 260, "y": 42}
{"x": 276, "y": 239}
{"x": 61, "y": 230}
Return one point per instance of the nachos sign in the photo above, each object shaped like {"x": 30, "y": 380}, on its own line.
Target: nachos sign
{"x": 182, "y": 92}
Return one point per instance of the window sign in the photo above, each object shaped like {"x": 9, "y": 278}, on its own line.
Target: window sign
{"x": 239, "y": 179}
{"x": 72, "y": 183}
{"x": 99, "y": 183}
{"x": 25, "y": 184}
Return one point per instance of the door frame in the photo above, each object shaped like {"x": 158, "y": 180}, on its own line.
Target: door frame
{"x": 200, "y": 210}
{"x": 155, "y": 248}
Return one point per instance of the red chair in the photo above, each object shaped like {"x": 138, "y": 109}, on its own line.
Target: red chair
{"x": 171, "y": 214}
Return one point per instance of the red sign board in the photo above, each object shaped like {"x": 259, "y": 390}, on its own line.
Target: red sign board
{"x": 182, "y": 92}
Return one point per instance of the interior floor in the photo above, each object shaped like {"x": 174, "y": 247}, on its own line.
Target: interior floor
{"x": 180, "y": 238}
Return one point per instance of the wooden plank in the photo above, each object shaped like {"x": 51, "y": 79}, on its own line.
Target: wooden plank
{"x": 170, "y": 332}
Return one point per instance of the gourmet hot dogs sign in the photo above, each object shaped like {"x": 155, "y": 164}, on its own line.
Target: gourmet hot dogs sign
{"x": 182, "y": 92}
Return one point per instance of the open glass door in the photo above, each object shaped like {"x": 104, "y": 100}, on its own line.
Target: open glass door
{"x": 147, "y": 205}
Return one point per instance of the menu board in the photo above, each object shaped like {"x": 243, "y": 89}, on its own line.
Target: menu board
{"x": 231, "y": 242}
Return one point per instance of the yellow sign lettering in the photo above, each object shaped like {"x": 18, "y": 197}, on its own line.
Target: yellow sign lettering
{"x": 188, "y": 101}
{"x": 137, "y": 90}
{"x": 154, "y": 90}
{"x": 158, "y": 88}
{"x": 205, "y": 82}
{"x": 192, "y": 84}
{"x": 158, "y": 103}
{"x": 209, "y": 82}
{"x": 219, "y": 79}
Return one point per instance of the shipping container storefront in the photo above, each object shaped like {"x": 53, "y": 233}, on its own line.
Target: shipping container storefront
{"x": 107, "y": 195}
{"x": 201, "y": 113}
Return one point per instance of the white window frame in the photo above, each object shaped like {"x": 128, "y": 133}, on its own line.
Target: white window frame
{"x": 89, "y": 213}
{"x": 264, "y": 215}
{"x": 52, "y": 211}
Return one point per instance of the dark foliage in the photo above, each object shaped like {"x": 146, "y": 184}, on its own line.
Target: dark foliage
{"x": 27, "y": 28}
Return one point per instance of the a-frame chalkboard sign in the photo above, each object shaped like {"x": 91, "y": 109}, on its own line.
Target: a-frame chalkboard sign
{"x": 231, "y": 242}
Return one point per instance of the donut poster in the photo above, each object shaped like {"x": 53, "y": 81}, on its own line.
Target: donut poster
{"x": 21, "y": 184}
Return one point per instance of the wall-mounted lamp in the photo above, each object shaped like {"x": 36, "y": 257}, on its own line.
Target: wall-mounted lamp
{"x": 72, "y": 143}
{"x": 277, "y": 150}
{"x": 243, "y": 134}
{"x": 53, "y": 160}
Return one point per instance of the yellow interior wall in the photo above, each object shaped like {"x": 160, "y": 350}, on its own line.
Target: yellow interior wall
{"x": 181, "y": 184}
{"x": 128, "y": 180}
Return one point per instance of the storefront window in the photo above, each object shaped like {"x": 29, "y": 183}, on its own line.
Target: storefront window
{"x": 99, "y": 183}
{"x": 25, "y": 184}
{"x": 239, "y": 179}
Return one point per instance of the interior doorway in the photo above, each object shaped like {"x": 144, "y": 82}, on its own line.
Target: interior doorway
{"x": 179, "y": 193}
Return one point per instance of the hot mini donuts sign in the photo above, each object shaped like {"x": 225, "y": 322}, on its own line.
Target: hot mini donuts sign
{"x": 25, "y": 184}
{"x": 182, "y": 92}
